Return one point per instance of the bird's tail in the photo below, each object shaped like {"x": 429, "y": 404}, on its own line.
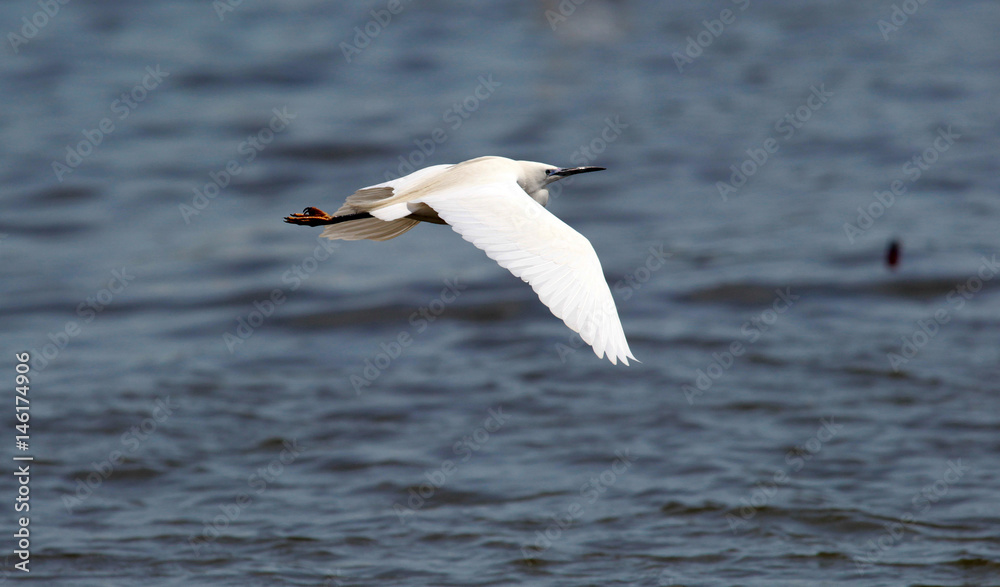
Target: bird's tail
{"x": 368, "y": 229}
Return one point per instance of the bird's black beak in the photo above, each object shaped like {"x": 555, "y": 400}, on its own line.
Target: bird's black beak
{"x": 560, "y": 173}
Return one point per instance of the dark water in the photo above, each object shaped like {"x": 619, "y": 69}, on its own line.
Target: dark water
{"x": 217, "y": 399}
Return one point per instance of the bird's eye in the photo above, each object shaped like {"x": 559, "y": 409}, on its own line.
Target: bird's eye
{"x": 551, "y": 171}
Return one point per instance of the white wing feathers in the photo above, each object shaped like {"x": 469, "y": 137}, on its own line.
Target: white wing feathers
{"x": 559, "y": 263}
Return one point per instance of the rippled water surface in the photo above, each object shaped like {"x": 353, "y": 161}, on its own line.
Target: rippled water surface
{"x": 218, "y": 398}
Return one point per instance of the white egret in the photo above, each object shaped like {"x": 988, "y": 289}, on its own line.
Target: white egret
{"x": 496, "y": 204}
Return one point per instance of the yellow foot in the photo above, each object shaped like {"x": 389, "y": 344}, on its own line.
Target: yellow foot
{"x": 309, "y": 217}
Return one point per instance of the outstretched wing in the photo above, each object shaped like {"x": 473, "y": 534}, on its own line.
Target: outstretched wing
{"x": 558, "y": 262}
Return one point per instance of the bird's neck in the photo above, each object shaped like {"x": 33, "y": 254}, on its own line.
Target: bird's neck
{"x": 541, "y": 196}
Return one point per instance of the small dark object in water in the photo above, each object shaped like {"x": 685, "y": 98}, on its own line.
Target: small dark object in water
{"x": 892, "y": 254}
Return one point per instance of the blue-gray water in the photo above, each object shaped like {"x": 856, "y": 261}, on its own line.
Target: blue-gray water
{"x": 217, "y": 399}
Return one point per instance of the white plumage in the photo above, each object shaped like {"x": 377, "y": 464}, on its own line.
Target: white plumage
{"x": 497, "y": 204}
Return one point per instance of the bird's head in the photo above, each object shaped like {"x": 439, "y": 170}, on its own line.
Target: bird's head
{"x": 535, "y": 177}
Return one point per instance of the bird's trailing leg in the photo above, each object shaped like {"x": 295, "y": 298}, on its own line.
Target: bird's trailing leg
{"x": 316, "y": 217}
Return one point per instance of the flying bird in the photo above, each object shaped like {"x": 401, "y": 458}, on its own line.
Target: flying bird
{"x": 498, "y": 205}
